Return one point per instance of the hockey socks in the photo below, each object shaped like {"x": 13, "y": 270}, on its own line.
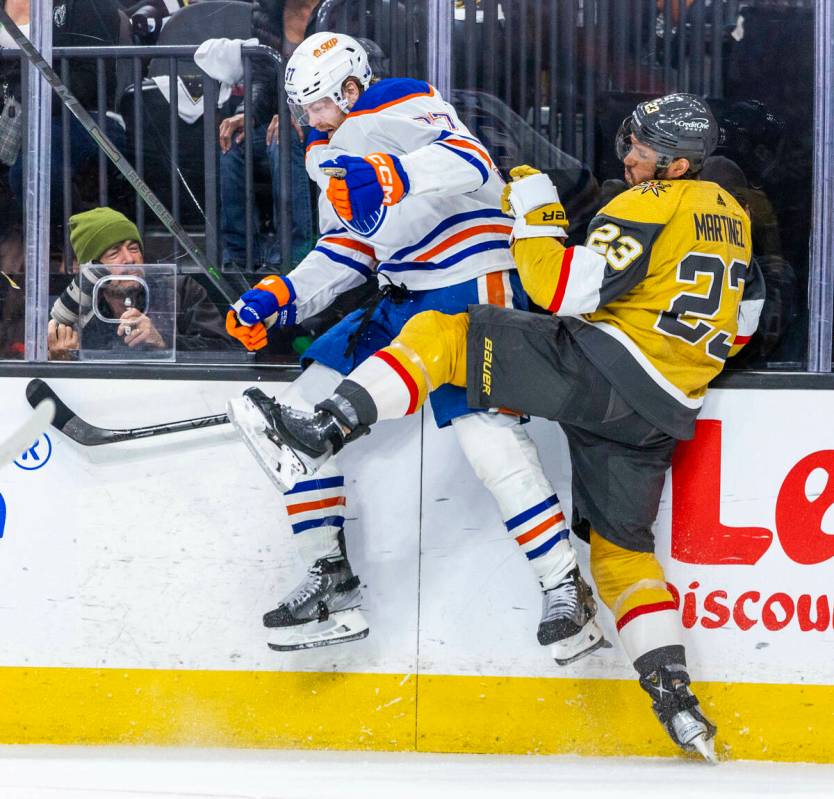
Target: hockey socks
{"x": 505, "y": 459}
{"x": 429, "y": 352}
{"x": 633, "y": 586}
{"x": 316, "y": 512}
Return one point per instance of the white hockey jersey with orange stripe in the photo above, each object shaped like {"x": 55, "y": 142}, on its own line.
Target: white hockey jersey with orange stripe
{"x": 448, "y": 228}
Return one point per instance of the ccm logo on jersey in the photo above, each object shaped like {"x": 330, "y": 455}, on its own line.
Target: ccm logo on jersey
{"x": 486, "y": 371}
{"x": 328, "y": 45}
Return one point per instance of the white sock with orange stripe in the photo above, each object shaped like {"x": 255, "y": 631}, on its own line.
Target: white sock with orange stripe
{"x": 506, "y": 460}
{"x": 316, "y": 510}
{"x": 494, "y": 288}
{"x": 316, "y": 507}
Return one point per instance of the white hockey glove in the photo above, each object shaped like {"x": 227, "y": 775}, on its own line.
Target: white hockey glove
{"x": 533, "y": 200}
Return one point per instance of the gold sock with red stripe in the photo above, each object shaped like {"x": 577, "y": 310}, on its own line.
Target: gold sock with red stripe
{"x": 633, "y": 586}
{"x": 429, "y": 352}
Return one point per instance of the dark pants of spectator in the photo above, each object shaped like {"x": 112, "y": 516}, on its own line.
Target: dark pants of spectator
{"x": 266, "y": 250}
{"x": 83, "y": 157}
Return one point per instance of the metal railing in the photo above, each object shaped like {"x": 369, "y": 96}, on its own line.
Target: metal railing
{"x": 548, "y": 65}
{"x": 206, "y": 202}
{"x": 547, "y": 60}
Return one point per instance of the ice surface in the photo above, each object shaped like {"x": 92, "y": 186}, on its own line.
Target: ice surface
{"x": 44, "y": 772}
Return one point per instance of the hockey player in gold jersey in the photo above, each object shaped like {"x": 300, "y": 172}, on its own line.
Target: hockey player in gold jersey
{"x": 644, "y": 316}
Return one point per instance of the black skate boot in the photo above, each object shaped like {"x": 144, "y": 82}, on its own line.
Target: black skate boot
{"x": 322, "y": 610}
{"x": 290, "y": 444}
{"x": 568, "y": 624}
{"x": 677, "y": 709}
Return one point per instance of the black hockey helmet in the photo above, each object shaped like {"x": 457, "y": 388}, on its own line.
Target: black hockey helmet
{"x": 674, "y": 126}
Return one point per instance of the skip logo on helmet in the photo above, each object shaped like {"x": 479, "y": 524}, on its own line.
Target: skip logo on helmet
{"x": 328, "y": 45}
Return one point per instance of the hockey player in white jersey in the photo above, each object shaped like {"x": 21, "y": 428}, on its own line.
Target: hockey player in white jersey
{"x": 407, "y": 191}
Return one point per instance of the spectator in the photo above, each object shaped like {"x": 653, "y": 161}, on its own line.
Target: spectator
{"x": 281, "y": 25}
{"x": 779, "y": 307}
{"x": 147, "y": 18}
{"x": 267, "y": 181}
{"x": 12, "y": 305}
{"x": 81, "y": 23}
{"x": 107, "y": 237}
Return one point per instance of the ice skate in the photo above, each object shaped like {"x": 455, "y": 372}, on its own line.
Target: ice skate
{"x": 288, "y": 444}
{"x": 568, "y": 624}
{"x": 677, "y": 709}
{"x": 321, "y": 611}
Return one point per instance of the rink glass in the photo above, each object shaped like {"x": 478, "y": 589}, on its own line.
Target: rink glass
{"x": 544, "y": 82}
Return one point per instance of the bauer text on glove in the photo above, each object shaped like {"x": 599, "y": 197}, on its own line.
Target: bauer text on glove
{"x": 533, "y": 200}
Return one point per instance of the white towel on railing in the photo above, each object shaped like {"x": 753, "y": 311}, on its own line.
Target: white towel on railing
{"x": 189, "y": 108}
{"x": 221, "y": 59}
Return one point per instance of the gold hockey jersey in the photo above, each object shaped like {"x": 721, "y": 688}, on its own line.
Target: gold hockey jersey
{"x": 662, "y": 292}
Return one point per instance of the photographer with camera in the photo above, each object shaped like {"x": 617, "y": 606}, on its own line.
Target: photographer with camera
{"x": 108, "y": 238}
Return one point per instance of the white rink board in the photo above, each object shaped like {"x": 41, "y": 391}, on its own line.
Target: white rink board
{"x": 164, "y": 553}
{"x": 486, "y": 621}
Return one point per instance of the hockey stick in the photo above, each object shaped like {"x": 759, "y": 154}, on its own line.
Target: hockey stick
{"x": 110, "y": 150}
{"x": 88, "y": 435}
{"x": 28, "y": 433}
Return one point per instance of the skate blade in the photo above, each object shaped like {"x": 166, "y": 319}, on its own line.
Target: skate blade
{"x": 279, "y": 462}
{"x": 587, "y": 640}
{"x": 342, "y": 627}
{"x": 705, "y": 747}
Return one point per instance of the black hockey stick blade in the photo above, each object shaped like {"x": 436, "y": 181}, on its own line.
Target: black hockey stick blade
{"x": 88, "y": 435}
{"x": 65, "y": 419}
{"x": 37, "y": 391}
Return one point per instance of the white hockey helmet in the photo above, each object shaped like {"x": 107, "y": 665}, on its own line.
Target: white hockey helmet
{"x": 319, "y": 67}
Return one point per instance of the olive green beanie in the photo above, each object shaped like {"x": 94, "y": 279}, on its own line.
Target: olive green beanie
{"x": 94, "y": 232}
